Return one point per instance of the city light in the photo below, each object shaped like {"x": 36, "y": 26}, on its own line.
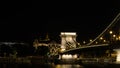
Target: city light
{"x": 118, "y": 55}
{"x": 90, "y": 40}
{"x": 62, "y": 50}
{"x": 101, "y": 38}
{"x": 75, "y": 56}
{"x": 84, "y": 42}
{"x": 111, "y": 32}
{"x": 119, "y": 37}
{"x": 96, "y": 42}
{"x": 104, "y": 40}
{"x": 68, "y": 33}
{"x": 67, "y": 56}
{"x": 114, "y": 36}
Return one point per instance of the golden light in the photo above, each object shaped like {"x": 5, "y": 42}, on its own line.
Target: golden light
{"x": 58, "y": 66}
{"x": 68, "y": 33}
{"x": 75, "y": 56}
{"x": 101, "y": 38}
{"x": 90, "y": 40}
{"x": 84, "y": 42}
{"x": 111, "y": 32}
{"x": 96, "y": 42}
{"x": 62, "y": 49}
{"x": 104, "y": 40}
{"x": 78, "y": 43}
{"x": 119, "y": 37}
{"x": 118, "y": 55}
{"x": 67, "y": 56}
{"x": 114, "y": 36}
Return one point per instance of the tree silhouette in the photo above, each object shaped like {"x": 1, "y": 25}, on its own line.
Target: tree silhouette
{"x": 42, "y": 50}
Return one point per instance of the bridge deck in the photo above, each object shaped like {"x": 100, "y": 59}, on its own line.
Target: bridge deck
{"x": 84, "y": 48}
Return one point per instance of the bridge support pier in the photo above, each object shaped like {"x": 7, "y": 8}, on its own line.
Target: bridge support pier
{"x": 68, "y": 40}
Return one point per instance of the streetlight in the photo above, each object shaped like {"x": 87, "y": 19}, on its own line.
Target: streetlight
{"x": 104, "y": 41}
{"x": 111, "y": 32}
{"x": 90, "y": 40}
{"x": 119, "y": 37}
{"x": 84, "y": 42}
{"x": 96, "y": 42}
{"x": 114, "y": 36}
{"x": 101, "y": 38}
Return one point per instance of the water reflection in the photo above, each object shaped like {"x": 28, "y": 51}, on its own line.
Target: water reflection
{"x": 68, "y": 66}
{"x": 39, "y": 66}
{"x": 50, "y": 66}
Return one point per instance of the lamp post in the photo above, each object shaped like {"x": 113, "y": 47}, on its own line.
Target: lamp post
{"x": 110, "y": 32}
{"x": 114, "y": 37}
{"x": 84, "y": 42}
{"x": 101, "y": 40}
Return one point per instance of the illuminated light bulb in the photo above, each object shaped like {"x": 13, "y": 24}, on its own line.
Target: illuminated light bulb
{"x": 96, "y": 42}
{"x": 84, "y": 42}
{"x": 90, "y": 40}
{"x": 104, "y": 40}
{"x": 111, "y": 32}
{"x": 68, "y": 33}
{"x": 114, "y": 35}
{"x": 119, "y": 37}
{"x": 101, "y": 38}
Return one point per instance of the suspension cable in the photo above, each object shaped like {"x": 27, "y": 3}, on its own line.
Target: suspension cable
{"x": 108, "y": 27}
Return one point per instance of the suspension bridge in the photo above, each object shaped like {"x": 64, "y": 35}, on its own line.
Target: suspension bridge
{"x": 109, "y": 36}
{"x": 105, "y": 45}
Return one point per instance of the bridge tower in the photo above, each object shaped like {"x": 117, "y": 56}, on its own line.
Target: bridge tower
{"x": 68, "y": 40}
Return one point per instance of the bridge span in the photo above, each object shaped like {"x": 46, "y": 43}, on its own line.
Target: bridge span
{"x": 101, "y": 51}
{"x": 85, "y": 47}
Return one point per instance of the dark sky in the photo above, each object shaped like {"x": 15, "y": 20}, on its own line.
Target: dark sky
{"x": 27, "y": 20}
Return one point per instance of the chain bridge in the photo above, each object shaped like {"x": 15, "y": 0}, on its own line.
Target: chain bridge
{"x": 107, "y": 43}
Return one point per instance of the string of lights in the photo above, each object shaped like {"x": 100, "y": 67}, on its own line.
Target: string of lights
{"x": 115, "y": 20}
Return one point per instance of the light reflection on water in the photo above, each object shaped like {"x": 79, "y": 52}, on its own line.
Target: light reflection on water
{"x": 48, "y": 66}
{"x": 39, "y": 66}
{"x": 68, "y": 66}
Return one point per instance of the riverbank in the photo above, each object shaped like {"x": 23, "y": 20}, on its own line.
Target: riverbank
{"x": 25, "y": 60}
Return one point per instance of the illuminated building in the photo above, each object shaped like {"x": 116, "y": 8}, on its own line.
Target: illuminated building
{"x": 68, "y": 40}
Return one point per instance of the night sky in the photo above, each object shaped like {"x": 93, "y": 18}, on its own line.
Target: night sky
{"x": 26, "y": 20}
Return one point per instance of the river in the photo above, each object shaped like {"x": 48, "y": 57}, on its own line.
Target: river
{"x": 46, "y": 66}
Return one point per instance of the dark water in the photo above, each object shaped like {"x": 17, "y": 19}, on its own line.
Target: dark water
{"x": 39, "y": 66}
{"x": 49, "y": 66}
